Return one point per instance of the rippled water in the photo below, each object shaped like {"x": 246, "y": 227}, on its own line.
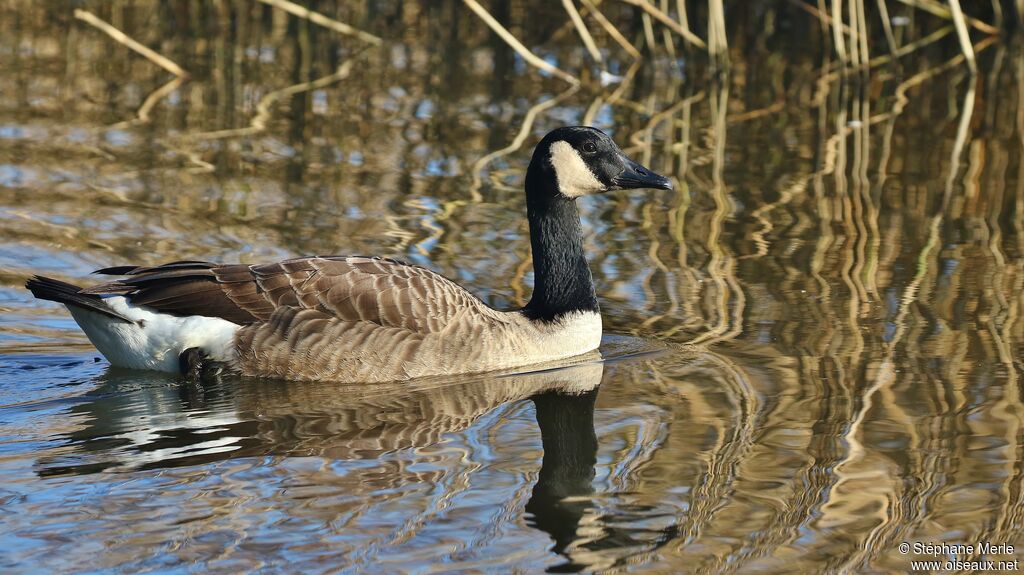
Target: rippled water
{"x": 812, "y": 346}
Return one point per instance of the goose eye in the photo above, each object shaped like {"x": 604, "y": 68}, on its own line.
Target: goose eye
{"x": 589, "y": 147}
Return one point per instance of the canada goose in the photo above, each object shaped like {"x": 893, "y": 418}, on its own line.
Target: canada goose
{"x": 363, "y": 319}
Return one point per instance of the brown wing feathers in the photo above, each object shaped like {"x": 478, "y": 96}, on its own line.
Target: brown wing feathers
{"x": 349, "y": 288}
{"x": 178, "y": 288}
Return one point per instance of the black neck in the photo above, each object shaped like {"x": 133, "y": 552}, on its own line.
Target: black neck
{"x": 562, "y": 280}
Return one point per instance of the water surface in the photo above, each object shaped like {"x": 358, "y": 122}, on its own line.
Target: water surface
{"x": 812, "y": 345}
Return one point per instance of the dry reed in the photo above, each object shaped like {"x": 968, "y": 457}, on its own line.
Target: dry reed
{"x": 847, "y": 21}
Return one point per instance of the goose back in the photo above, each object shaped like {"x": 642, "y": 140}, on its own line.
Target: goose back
{"x": 351, "y": 318}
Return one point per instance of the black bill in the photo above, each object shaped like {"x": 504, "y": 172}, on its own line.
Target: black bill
{"x": 637, "y": 176}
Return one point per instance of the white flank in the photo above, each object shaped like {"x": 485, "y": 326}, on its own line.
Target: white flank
{"x": 574, "y": 177}
{"x": 154, "y": 340}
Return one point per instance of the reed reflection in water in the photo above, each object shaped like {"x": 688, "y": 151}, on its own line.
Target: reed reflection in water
{"x": 834, "y": 290}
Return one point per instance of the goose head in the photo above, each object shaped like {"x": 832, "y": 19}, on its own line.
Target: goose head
{"x": 577, "y": 161}
{"x": 569, "y": 163}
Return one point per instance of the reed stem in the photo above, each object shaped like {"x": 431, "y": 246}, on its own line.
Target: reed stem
{"x": 516, "y": 45}
{"x": 122, "y": 38}
{"x": 961, "y": 33}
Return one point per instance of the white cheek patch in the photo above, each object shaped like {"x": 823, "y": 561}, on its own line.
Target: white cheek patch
{"x": 574, "y": 177}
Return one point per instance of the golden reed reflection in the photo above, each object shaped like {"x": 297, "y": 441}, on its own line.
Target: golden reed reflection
{"x": 837, "y": 277}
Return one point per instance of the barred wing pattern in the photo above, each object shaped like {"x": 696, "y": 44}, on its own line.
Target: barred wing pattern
{"x": 341, "y": 317}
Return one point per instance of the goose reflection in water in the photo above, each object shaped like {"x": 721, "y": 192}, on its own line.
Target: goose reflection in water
{"x": 563, "y": 499}
{"x": 141, "y": 421}
{"x": 138, "y": 420}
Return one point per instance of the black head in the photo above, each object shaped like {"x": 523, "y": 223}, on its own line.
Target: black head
{"x": 576, "y": 161}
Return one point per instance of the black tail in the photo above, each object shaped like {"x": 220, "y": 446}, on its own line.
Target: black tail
{"x": 68, "y": 294}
